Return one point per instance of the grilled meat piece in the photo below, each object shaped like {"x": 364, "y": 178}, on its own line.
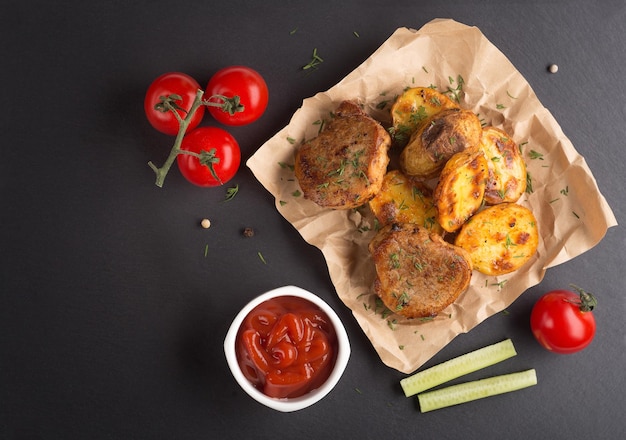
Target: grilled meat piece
{"x": 344, "y": 166}
{"x": 418, "y": 273}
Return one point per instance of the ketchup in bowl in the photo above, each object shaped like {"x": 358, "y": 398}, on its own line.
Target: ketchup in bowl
{"x": 286, "y": 347}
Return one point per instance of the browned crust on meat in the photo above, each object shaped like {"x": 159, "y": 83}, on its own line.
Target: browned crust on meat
{"x": 418, "y": 273}
{"x": 344, "y": 166}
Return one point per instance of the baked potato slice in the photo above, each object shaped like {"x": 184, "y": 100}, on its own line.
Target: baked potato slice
{"x": 507, "y": 169}
{"x": 414, "y": 106}
{"x": 437, "y": 139}
{"x": 404, "y": 200}
{"x": 461, "y": 187}
{"x": 500, "y": 239}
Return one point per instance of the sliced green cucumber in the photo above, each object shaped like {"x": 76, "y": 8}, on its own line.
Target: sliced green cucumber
{"x": 478, "y": 389}
{"x": 457, "y": 367}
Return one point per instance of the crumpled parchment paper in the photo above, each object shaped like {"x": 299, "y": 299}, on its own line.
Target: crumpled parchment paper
{"x": 573, "y": 215}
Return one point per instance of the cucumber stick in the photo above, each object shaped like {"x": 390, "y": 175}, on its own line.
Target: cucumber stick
{"x": 478, "y": 389}
{"x": 457, "y": 367}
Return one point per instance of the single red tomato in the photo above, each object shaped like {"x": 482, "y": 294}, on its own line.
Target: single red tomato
{"x": 562, "y": 321}
{"x": 172, "y": 83}
{"x": 219, "y": 159}
{"x": 240, "y": 81}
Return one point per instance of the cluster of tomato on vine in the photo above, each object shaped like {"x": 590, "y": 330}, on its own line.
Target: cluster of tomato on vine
{"x": 175, "y": 105}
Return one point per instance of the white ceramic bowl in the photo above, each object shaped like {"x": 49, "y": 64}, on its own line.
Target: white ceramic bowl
{"x": 296, "y": 403}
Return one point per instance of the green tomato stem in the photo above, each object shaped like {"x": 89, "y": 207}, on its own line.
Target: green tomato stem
{"x": 587, "y": 300}
{"x": 183, "y": 124}
{"x": 230, "y": 105}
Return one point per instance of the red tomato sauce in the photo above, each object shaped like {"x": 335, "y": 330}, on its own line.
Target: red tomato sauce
{"x": 286, "y": 347}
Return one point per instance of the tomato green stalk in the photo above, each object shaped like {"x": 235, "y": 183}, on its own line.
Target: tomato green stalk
{"x": 206, "y": 158}
{"x": 587, "y": 301}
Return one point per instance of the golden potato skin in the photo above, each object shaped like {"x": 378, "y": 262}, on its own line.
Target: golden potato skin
{"x": 460, "y": 190}
{"x": 507, "y": 169}
{"x": 412, "y": 107}
{"x": 418, "y": 273}
{"x": 500, "y": 239}
{"x": 437, "y": 139}
{"x": 404, "y": 200}
{"x": 343, "y": 166}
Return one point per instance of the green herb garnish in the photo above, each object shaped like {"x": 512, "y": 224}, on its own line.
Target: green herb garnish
{"x": 231, "y": 193}
{"x": 316, "y": 60}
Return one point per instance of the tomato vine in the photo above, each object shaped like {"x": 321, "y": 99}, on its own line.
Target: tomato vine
{"x": 207, "y": 158}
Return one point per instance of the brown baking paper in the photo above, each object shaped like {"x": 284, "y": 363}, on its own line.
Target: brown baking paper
{"x": 572, "y": 214}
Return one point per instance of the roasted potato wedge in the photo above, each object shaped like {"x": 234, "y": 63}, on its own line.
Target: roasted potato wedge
{"x": 414, "y": 106}
{"x": 500, "y": 239}
{"x": 461, "y": 187}
{"x": 437, "y": 139}
{"x": 507, "y": 169}
{"x": 404, "y": 200}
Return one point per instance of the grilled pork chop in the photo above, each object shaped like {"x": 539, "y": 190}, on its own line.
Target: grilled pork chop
{"x": 343, "y": 167}
{"x": 418, "y": 273}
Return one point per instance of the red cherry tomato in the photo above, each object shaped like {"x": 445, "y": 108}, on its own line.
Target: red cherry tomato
{"x": 562, "y": 321}
{"x": 220, "y": 156}
{"x": 172, "y": 83}
{"x": 240, "y": 81}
